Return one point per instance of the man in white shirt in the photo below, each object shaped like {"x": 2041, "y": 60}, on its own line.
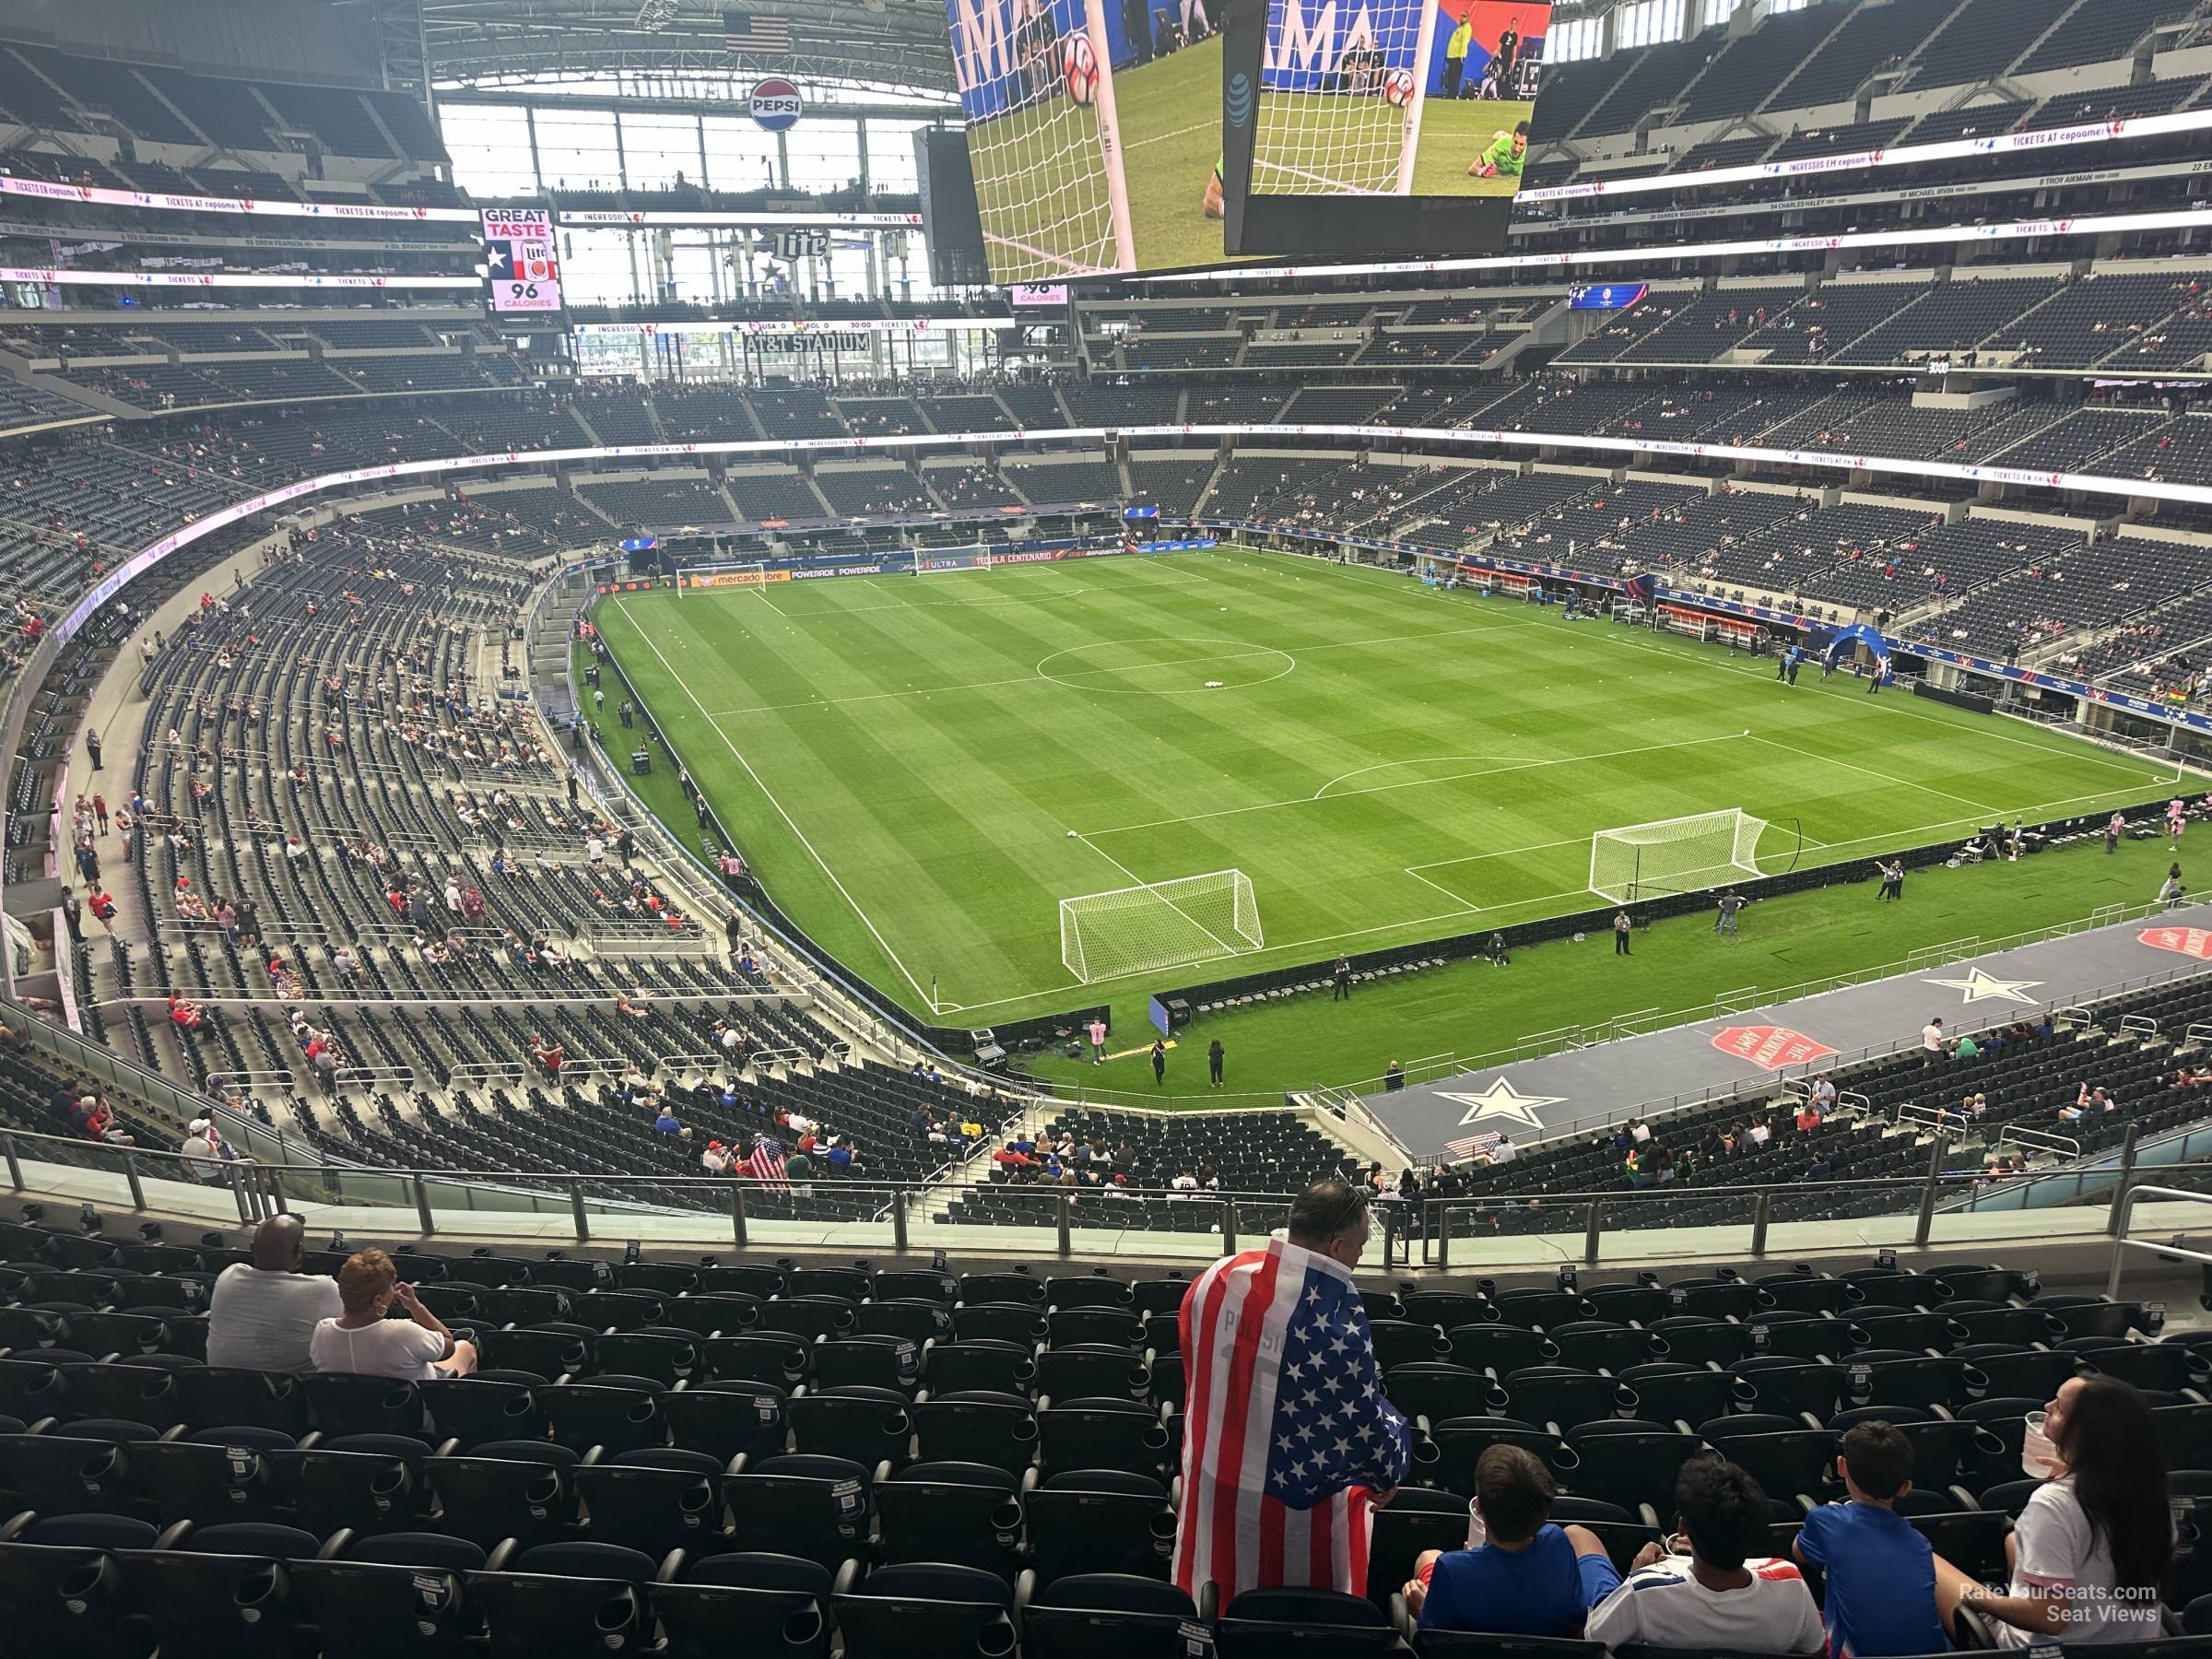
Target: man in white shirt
{"x": 362, "y": 1341}
{"x": 1824, "y": 1095}
{"x": 1719, "y": 1596}
{"x": 261, "y": 1318}
{"x": 201, "y": 1149}
{"x": 1504, "y": 1153}
{"x": 1931, "y": 1042}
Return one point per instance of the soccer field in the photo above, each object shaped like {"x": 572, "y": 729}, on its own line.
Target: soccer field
{"x": 902, "y": 758}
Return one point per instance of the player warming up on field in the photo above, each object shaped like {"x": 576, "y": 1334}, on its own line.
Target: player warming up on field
{"x": 1506, "y": 154}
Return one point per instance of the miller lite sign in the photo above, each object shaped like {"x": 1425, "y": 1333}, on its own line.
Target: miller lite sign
{"x": 520, "y": 261}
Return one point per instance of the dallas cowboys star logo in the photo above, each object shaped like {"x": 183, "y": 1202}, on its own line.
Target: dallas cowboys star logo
{"x": 1502, "y": 1099}
{"x": 1978, "y": 986}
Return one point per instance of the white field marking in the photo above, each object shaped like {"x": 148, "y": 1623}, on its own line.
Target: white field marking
{"x": 1062, "y": 678}
{"x": 1336, "y": 186}
{"x": 1460, "y": 899}
{"x": 1904, "y": 710}
{"x": 1486, "y": 771}
{"x": 762, "y": 591}
{"x": 833, "y": 702}
{"x": 1059, "y": 676}
{"x": 835, "y": 612}
{"x": 1678, "y": 652}
{"x": 1415, "y": 760}
{"x": 1140, "y": 881}
{"x": 1887, "y": 837}
{"x": 1204, "y": 127}
{"x": 1071, "y": 267}
{"x": 1440, "y": 864}
{"x": 866, "y": 921}
{"x": 1871, "y": 772}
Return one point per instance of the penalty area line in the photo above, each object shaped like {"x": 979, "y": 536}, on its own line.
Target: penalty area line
{"x": 769, "y": 795}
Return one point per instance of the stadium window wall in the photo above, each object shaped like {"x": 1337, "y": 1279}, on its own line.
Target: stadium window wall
{"x": 660, "y": 152}
{"x": 493, "y": 154}
{"x": 490, "y": 146}
{"x": 1648, "y": 23}
{"x": 1572, "y": 42}
{"x": 578, "y": 150}
{"x": 739, "y": 155}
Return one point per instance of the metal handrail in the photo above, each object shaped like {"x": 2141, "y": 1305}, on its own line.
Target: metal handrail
{"x": 2123, "y": 1215}
{"x": 2040, "y": 1139}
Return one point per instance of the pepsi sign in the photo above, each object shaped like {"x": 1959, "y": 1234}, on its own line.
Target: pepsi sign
{"x": 775, "y": 106}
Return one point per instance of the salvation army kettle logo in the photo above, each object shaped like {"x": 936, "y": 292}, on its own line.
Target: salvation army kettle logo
{"x": 1239, "y": 98}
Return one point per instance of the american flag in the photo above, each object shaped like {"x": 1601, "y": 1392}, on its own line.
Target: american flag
{"x": 1287, "y": 1434}
{"x": 758, "y": 36}
{"x": 1473, "y": 1144}
{"x": 767, "y": 1164}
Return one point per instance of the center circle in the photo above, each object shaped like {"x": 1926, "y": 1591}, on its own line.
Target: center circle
{"x": 1171, "y": 666}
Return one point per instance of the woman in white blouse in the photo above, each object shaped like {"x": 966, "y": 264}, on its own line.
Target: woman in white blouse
{"x": 2094, "y": 1542}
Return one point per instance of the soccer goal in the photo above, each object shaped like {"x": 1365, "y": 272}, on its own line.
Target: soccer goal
{"x": 945, "y": 562}
{"x": 1159, "y": 924}
{"x": 1674, "y": 855}
{"x": 1036, "y": 84}
{"x": 1340, "y": 110}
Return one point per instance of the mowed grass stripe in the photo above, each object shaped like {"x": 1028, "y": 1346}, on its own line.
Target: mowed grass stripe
{"x": 936, "y": 773}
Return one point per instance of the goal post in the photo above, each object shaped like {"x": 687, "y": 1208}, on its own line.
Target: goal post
{"x": 945, "y": 562}
{"x": 1036, "y": 87}
{"x": 1159, "y": 924}
{"x": 751, "y": 572}
{"x": 1674, "y": 855}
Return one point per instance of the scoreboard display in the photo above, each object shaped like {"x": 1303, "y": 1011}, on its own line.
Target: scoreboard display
{"x": 521, "y": 261}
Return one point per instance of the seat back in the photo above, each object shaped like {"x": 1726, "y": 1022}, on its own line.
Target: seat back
{"x": 1106, "y": 1616}
{"x": 927, "y": 1612}
{"x": 652, "y": 1509}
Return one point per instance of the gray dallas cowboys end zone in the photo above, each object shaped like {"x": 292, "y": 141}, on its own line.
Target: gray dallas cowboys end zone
{"x": 1749, "y": 1053}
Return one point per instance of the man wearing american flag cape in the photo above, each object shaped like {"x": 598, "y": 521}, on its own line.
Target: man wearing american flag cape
{"x": 1288, "y": 1443}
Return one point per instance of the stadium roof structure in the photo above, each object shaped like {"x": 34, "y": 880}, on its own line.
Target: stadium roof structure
{"x": 880, "y": 42}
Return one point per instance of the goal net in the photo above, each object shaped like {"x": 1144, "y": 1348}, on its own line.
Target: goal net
{"x": 1674, "y": 855}
{"x": 1159, "y": 924}
{"x": 1342, "y": 89}
{"x": 943, "y": 561}
{"x": 1036, "y": 82}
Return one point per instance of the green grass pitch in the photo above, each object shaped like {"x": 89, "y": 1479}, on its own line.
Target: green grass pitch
{"x": 1044, "y": 205}
{"x": 902, "y": 758}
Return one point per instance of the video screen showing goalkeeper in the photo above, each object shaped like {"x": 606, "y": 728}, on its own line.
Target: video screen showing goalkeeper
{"x": 1093, "y": 132}
{"x": 1486, "y": 70}
{"x": 1420, "y": 98}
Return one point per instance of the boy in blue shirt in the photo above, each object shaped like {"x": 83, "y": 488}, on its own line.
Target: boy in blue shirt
{"x": 1881, "y": 1571}
{"x": 1520, "y": 1575}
